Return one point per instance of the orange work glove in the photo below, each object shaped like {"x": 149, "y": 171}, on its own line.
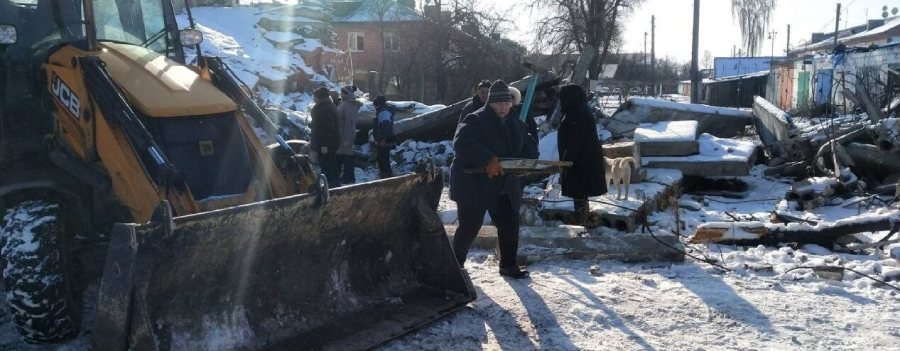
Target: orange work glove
{"x": 493, "y": 168}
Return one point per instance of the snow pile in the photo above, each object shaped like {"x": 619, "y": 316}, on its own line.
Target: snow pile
{"x": 410, "y": 153}
{"x": 666, "y": 131}
{"x": 232, "y": 33}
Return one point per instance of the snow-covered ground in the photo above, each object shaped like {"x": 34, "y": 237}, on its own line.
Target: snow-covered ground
{"x": 585, "y": 305}
{"x": 760, "y": 303}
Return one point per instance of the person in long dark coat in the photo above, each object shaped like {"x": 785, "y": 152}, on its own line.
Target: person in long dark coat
{"x": 325, "y": 135}
{"x": 578, "y": 143}
{"x": 477, "y": 181}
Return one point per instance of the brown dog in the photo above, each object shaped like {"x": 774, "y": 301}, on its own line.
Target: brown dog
{"x": 619, "y": 172}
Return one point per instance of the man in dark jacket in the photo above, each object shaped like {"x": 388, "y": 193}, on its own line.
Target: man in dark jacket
{"x": 477, "y": 182}
{"x": 383, "y": 132}
{"x": 325, "y": 135}
{"x": 578, "y": 143}
{"x": 481, "y": 95}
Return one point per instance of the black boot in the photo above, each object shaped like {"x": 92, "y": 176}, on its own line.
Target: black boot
{"x": 513, "y": 272}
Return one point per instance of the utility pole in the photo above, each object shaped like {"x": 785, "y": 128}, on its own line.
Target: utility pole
{"x": 787, "y": 48}
{"x": 695, "y": 48}
{"x": 644, "y": 54}
{"x": 837, "y": 24}
{"x": 653, "y": 52}
{"x": 772, "y": 35}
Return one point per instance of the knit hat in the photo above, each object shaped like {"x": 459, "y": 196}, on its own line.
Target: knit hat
{"x": 499, "y": 93}
{"x": 348, "y": 90}
{"x": 321, "y": 93}
{"x": 379, "y": 101}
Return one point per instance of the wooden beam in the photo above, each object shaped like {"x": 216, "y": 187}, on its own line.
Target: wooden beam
{"x": 759, "y": 233}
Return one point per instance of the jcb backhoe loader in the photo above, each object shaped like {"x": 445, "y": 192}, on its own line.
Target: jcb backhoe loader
{"x": 240, "y": 245}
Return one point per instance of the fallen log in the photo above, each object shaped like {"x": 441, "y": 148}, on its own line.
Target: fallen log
{"x": 824, "y": 234}
{"x": 871, "y": 157}
{"x": 441, "y": 124}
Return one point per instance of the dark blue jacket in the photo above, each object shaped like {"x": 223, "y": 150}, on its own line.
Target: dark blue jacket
{"x": 481, "y": 136}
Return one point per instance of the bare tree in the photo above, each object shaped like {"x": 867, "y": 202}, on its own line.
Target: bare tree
{"x": 571, "y": 26}
{"x": 447, "y": 53}
{"x": 753, "y": 17}
{"x": 707, "y": 59}
{"x": 381, "y": 8}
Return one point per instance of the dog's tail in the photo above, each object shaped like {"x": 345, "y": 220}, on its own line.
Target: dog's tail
{"x": 627, "y": 160}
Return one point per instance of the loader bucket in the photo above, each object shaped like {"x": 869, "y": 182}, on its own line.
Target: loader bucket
{"x": 370, "y": 264}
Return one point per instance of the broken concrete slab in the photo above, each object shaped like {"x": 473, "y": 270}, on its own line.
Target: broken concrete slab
{"x": 573, "y": 242}
{"x": 669, "y": 138}
{"x": 624, "y": 215}
{"x": 717, "y": 157}
{"x": 719, "y": 121}
{"x": 775, "y": 127}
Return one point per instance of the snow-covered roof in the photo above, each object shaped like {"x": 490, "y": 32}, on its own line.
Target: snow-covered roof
{"x": 892, "y": 23}
{"x": 367, "y": 12}
{"x": 742, "y": 76}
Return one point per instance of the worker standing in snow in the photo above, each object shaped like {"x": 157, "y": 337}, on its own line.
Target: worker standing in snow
{"x": 481, "y": 95}
{"x": 325, "y": 136}
{"x": 347, "y": 110}
{"x": 477, "y": 181}
{"x": 384, "y": 136}
{"x": 578, "y": 143}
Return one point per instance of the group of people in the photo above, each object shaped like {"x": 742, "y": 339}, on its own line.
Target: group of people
{"x": 334, "y": 132}
{"x": 489, "y": 130}
{"x": 493, "y": 131}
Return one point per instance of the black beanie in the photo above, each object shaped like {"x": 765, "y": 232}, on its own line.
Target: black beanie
{"x": 321, "y": 93}
{"x": 499, "y": 93}
{"x": 379, "y": 101}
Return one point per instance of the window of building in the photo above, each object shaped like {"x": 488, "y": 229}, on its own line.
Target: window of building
{"x": 391, "y": 42}
{"x": 356, "y": 41}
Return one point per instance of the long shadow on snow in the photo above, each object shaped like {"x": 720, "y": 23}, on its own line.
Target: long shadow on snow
{"x": 550, "y": 334}
{"x": 507, "y": 331}
{"x": 611, "y": 315}
{"x": 719, "y": 296}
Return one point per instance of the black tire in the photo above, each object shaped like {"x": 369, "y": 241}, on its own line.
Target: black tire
{"x": 37, "y": 293}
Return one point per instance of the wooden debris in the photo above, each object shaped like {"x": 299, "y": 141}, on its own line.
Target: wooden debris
{"x": 825, "y": 234}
